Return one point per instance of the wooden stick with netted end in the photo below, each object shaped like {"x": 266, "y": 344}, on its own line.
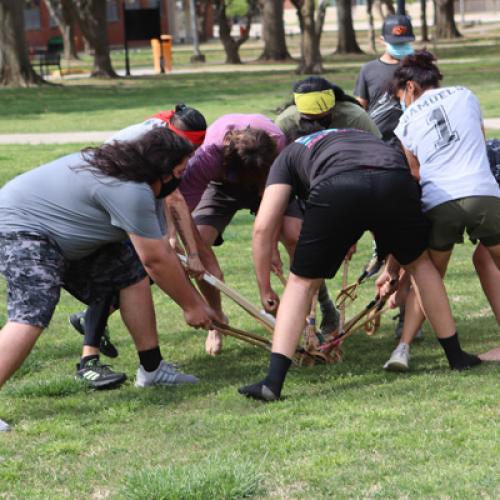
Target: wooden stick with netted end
{"x": 349, "y": 292}
{"x": 301, "y": 357}
{"x": 371, "y": 312}
{"x": 245, "y": 304}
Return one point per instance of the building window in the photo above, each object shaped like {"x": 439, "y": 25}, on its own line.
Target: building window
{"x": 132, "y": 4}
{"x": 32, "y": 15}
{"x": 112, "y": 11}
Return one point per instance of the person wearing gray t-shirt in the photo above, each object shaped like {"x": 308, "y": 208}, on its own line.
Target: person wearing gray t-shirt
{"x": 63, "y": 224}
{"x": 372, "y": 84}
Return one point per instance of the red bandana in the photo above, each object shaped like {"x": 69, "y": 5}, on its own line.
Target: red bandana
{"x": 195, "y": 137}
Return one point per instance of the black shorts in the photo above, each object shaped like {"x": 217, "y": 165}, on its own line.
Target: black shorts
{"x": 340, "y": 209}
{"x": 221, "y": 201}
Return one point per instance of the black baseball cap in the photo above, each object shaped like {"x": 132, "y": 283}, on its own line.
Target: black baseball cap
{"x": 397, "y": 29}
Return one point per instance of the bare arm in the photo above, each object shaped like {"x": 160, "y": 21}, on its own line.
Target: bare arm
{"x": 413, "y": 163}
{"x": 164, "y": 268}
{"x": 363, "y": 102}
{"x": 183, "y": 222}
{"x": 269, "y": 217}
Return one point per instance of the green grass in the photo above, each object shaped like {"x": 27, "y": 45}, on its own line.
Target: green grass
{"x": 85, "y": 105}
{"x": 345, "y": 431}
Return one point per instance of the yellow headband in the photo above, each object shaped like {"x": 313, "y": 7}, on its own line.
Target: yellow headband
{"x": 315, "y": 103}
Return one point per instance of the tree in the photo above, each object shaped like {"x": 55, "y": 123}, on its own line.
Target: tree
{"x": 62, "y": 12}
{"x": 232, "y": 45}
{"x": 423, "y": 19}
{"x": 371, "y": 25}
{"x": 273, "y": 31}
{"x": 389, "y": 8}
{"x": 91, "y": 16}
{"x": 15, "y": 66}
{"x": 445, "y": 19}
{"x": 346, "y": 41}
{"x": 311, "y": 21}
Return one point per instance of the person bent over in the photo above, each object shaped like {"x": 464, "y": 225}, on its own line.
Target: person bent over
{"x": 62, "y": 223}
{"x": 352, "y": 182}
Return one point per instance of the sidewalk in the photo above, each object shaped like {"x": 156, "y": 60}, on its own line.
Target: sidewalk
{"x": 98, "y": 137}
{"x": 56, "y": 138}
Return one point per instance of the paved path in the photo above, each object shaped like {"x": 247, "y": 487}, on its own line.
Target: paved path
{"x": 92, "y": 137}
{"x": 56, "y": 138}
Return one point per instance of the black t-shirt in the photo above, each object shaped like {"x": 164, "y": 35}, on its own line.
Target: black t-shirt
{"x": 316, "y": 157}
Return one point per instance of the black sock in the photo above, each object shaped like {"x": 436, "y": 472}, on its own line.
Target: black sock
{"x": 86, "y": 359}
{"x": 278, "y": 368}
{"x": 150, "y": 359}
{"x": 269, "y": 389}
{"x": 457, "y": 359}
{"x": 325, "y": 303}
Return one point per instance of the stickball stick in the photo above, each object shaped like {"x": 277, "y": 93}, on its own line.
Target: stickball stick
{"x": 267, "y": 321}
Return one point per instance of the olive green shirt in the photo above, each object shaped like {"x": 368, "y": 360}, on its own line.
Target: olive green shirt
{"x": 344, "y": 115}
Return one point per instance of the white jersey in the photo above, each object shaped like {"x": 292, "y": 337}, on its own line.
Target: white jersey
{"x": 442, "y": 128}
{"x": 134, "y": 132}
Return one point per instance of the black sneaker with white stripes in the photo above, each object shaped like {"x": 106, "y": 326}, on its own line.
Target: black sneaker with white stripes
{"x": 98, "y": 376}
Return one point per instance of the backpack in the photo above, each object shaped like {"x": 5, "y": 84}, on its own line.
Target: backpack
{"x": 493, "y": 149}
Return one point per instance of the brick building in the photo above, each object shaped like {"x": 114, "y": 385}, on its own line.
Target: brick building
{"x": 41, "y": 28}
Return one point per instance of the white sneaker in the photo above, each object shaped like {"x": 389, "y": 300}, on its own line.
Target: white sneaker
{"x": 4, "y": 426}
{"x": 400, "y": 359}
{"x": 165, "y": 374}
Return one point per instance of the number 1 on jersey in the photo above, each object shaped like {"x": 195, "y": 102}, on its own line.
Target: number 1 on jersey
{"x": 442, "y": 126}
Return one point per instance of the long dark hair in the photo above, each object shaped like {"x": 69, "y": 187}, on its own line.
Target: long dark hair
{"x": 249, "y": 154}
{"x": 186, "y": 118}
{"x": 419, "y": 67}
{"x": 146, "y": 159}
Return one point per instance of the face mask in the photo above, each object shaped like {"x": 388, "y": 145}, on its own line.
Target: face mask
{"x": 402, "y": 102}
{"x": 325, "y": 121}
{"x": 399, "y": 50}
{"x": 168, "y": 187}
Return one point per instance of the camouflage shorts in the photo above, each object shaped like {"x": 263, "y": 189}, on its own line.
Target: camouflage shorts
{"x": 36, "y": 270}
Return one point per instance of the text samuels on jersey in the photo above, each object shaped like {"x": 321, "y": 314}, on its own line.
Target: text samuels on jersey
{"x": 422, "y": 104}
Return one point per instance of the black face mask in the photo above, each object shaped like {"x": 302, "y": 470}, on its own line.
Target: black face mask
{"x": 325, "y": 121}
{"x": 168, "y": 187}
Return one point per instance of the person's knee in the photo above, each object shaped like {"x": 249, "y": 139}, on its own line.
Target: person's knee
{"x": 479, "y": 259}
{"x": 208, "y": 234}
{"x": 290, "y": 233}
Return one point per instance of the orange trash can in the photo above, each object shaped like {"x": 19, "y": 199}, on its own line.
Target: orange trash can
{"x": 166, "y": 52}
{"x": 156, "y": 48}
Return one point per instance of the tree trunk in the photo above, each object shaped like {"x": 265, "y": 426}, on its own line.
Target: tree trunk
{"x": 311, "y": 20}
{"x": 371, "y": 26}
{"x": 232, "y": 46}
{"x": 389, "y": 7}
{"x": 62, "y": 12}
{"x": 15, "y": 66}
{"x": 273, "y": 31}
{"x": 91, "y": 15}
{"x": 423, "y": 18}
{"x": 445, "y": 22}
{"x": 346, "y": 43}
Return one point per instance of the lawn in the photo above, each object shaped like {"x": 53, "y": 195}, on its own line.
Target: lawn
{"x": 349, "y": 430}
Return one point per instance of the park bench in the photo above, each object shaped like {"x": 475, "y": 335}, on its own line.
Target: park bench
{"x": 46, "y": 58}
